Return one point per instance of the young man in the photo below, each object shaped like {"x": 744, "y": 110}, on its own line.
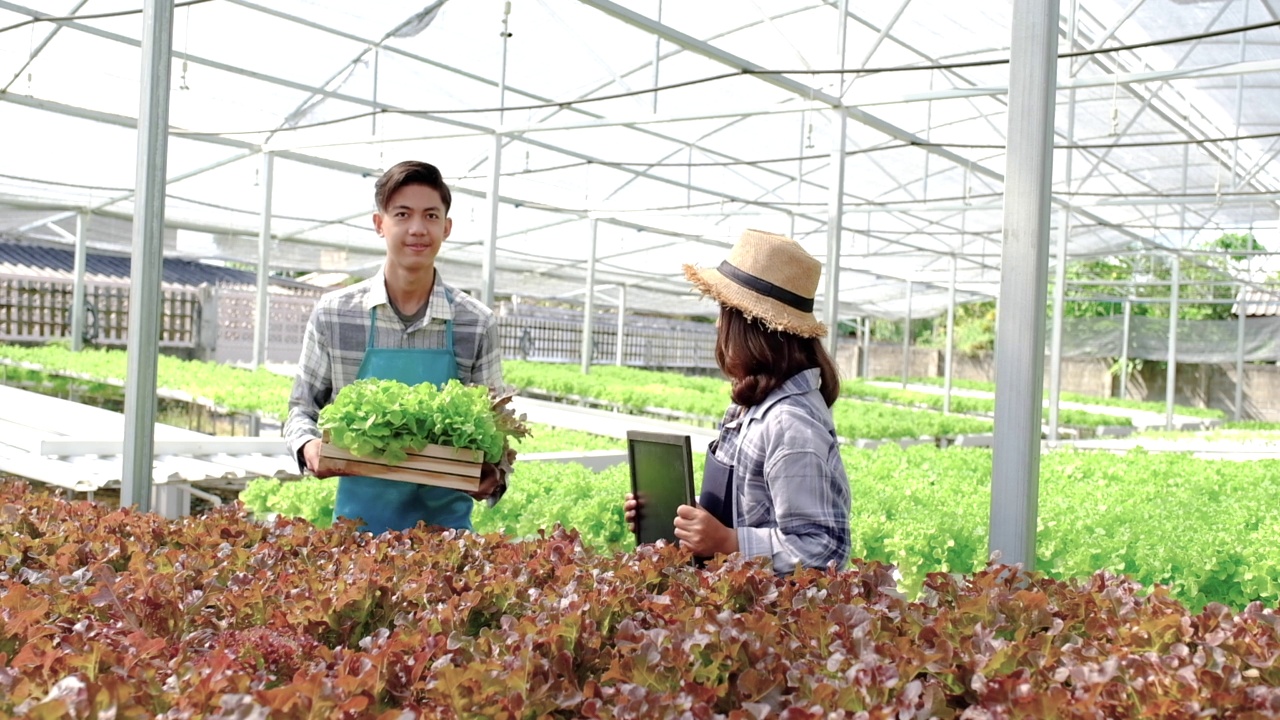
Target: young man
{"x": 405, "y": 323}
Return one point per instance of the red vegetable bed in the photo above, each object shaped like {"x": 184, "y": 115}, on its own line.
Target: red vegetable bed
{"x": 110, "y": 613}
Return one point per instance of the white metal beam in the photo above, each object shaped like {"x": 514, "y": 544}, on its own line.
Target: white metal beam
{"x": 35, "y": 52}
{"x": 1015, "y": 471}
{"x": 800, "y": 89}
{"x": 262, "y": 305}
{"x": 148, "y": 256}
{"x": 796, "y": 87}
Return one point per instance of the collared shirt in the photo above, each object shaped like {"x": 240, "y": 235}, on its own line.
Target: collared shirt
{"x": 338, "y": 334}
{"x": 791, "y": 494}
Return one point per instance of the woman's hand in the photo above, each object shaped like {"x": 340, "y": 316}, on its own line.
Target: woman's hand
{"x": 704, "y": 535}
{"x": 629, "y": 507}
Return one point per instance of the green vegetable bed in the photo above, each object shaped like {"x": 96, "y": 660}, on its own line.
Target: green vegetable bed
{"x": 1206, "y": 529}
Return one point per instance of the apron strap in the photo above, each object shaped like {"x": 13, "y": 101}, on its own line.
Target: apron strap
{"x": 448, "y": 325}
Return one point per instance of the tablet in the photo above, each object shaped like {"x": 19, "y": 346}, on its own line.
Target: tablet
{"x": 661, "y": 480}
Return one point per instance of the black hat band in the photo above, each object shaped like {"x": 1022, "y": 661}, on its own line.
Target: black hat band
{"x": 766, "y": 288}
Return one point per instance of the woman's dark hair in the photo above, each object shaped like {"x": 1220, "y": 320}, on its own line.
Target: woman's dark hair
{"x": 410, "y": 172}
{"x": 758, "y": 360}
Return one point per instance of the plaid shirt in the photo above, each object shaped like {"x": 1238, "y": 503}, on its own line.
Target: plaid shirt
{"x": 338, "y": 333}
{"x": 791, "y": 494}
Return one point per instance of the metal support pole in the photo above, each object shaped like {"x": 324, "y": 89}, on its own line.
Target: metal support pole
{"x": 489, "y": 261}
{"x": 264, "y": 264}
{"x": 147, "y": 261}
{"x": 1055, "y": 339}
{"x": 622, "y": 324}
{"x": 866, "y": 349}
{"x": 1064, "y": 235}
{"x": 77, "y": 291}
{"x": 1236, "y": 170}
{"x": 835, "y": 208}
{"x": 842, "y": 40}
{"x": 657, "y": 55}
{"x": 1171, "y": 377}
{"x": 835, "y": 219}
{"x": 799, "y": 172}
{"x": 1171, "y": 373}
{"x": 951, "y": 341}
{"x": 906, "y": 338}
{"x": 589, "y": 307}
{"x": 1240, "y": 321}
{"x": 1015, "y": 476}
{"x": 1124, "y": 350}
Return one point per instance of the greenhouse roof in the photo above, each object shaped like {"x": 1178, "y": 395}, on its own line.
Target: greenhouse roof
{"x": 57, "y": 262}
{"x": 668, "y": 127}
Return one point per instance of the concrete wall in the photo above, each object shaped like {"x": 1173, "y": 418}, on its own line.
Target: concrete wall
{"x": 1197, "y": 385}
{"x": 1214, "y": 386}
{"x": 1090, "y": 376}
{"x": 886, "y": 361}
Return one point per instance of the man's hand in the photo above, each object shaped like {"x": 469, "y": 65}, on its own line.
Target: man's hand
{"x": 488, "y": 482}
{"x": 311, "y": 454}
{"x": 704, "y": 535}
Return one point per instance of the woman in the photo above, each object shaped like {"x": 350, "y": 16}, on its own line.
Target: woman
{"x": 774, "y": 484}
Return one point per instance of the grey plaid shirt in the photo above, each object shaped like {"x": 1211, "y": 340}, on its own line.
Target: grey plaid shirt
{"x": 791, "y": 494}
{"x": 338, "y": 333}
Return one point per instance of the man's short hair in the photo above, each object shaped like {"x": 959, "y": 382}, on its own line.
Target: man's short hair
{"x": 410, "y": 172}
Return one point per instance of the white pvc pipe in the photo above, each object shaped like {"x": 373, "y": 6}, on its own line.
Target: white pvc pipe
{"x": 213, "y": 500}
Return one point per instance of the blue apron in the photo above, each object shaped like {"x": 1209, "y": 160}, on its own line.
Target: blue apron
{"x": 388, "y": 504}
{"x": 717, "y": 488}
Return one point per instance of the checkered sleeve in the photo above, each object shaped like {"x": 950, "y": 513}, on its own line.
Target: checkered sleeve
{"x": 809, "y": 490}
{"x": 488, "y": 362}
{"x": 312, "y": 387}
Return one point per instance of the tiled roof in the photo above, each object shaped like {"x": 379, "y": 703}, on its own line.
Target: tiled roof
{"x": 39, "y": 261}
{"x": 1257, "y": 303}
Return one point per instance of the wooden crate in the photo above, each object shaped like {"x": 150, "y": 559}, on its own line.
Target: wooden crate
{"x": 437, "y": 465}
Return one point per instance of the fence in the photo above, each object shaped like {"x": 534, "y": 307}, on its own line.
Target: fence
{"x": 237, "y": 313}
{"x": 217, "y": 323}
{"x": 39, "y": 310}
{"x": 555, "y": 335}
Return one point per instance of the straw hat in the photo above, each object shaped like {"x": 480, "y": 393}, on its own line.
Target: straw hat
{"x": 770, "y": 278}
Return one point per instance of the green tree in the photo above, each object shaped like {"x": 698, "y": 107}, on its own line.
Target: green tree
{"x": 1196, "y": 273}
{"x": 975, "y": 322}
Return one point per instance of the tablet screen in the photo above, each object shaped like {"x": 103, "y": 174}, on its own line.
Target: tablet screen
{"x": 661, "y": 480}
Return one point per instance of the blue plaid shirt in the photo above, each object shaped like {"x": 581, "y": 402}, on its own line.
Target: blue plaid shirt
{"x": 791, "y": 494}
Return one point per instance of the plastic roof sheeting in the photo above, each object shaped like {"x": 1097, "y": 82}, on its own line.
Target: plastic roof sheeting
{"x": 340, "y": 91}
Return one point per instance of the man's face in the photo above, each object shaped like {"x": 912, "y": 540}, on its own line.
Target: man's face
{"x": 414, "y": 226}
